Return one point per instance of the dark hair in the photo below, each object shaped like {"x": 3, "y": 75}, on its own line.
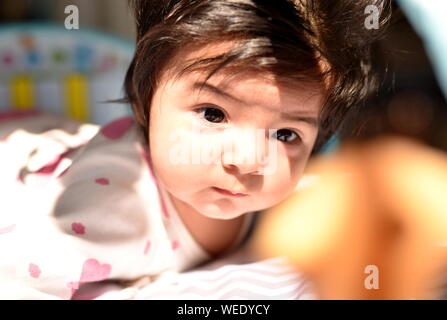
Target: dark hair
{"x": 288, "y": 38}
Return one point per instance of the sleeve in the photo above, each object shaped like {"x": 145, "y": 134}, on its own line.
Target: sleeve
{"x": 92, "y": 223}
{"x": 29, "y": 141}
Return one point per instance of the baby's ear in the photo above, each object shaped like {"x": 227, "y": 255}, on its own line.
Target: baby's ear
{"x": 150, "y": 13}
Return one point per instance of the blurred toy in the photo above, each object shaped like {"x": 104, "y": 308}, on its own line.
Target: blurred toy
{"x": 372, "y": 225}
{"x": 66, "y": 72}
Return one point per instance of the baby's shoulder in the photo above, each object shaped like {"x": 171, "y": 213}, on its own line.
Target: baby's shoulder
{"x": 109, "y": 179}
{"x": 114, "y": 157}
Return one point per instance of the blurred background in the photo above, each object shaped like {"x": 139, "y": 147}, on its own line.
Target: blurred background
{"x": 108, "y": 15}
{"x": 409, "y": 101}
{"x": 74, "y": 72}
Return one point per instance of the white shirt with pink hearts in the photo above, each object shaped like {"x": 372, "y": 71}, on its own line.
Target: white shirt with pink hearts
{"x": 79, "y": 203}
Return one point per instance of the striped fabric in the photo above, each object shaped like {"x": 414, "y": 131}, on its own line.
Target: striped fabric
{"x": 268, "y": 279}
{"x": 228, "y": 278}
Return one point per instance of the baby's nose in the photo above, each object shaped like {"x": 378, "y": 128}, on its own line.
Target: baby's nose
{"x": 246, "y": 152}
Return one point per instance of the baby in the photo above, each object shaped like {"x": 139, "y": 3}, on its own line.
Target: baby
{"x": 230, "y": 99}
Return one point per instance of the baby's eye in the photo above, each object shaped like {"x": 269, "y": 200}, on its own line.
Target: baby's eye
{"x": 286, "y": 135}
{"x": 211, "y": 114}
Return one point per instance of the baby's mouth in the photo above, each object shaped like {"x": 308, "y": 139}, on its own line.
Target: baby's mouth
{"x": 229, "y": 193}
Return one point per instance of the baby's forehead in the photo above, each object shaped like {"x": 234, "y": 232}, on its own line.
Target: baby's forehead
{"x": 245, "y": 91}
{"x": 191, "y": 58}
{"x": 249, "y": 85}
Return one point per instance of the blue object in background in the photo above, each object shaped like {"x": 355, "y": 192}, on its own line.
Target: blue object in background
{"x": 331, "y": 145}
{"x": 429, "y": 18}
{"x": 33, "y": 58}
{"x": 83, "y": 58}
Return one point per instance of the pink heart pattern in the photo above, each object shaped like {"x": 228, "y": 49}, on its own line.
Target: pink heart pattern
{"x": 117, "y": 128}
{"x": 7, "y": 229}
{"x": 147, "y": 247}
{"x": 102, "y": 181}
{"x": 93, "y": 271}
{"x": 175, "y": 245}
{"x": 34, "y": 270}
{"x": 78, "y": 228}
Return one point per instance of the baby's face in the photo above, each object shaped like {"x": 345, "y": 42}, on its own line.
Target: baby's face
{"x": 246, "y": 134}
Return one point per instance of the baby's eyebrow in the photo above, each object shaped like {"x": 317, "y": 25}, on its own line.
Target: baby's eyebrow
{"x": 313, "y": 121}
{"x": 217, "y": 91}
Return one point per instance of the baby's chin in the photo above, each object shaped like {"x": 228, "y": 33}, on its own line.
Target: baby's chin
{"x": 222, "y": 210}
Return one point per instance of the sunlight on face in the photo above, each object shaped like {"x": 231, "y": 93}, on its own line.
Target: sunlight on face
{"x": 245, "y": 133}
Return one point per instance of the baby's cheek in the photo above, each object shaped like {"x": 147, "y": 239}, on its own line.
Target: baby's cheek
{"x": 285, "y": 179}
{"x": 272, "y": 193}
{"x": 183, "y": 178}
{"x": 280, "y": 189}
